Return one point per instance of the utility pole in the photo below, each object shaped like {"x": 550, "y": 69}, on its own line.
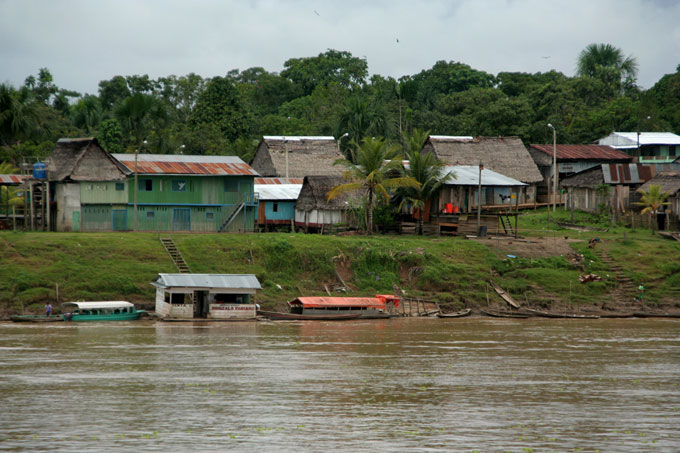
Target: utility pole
{"x": 479, "y": 199}
{"x": 554, "y": 165}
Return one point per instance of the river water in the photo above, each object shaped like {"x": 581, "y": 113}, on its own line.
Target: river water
{"x": 385, "y": 385}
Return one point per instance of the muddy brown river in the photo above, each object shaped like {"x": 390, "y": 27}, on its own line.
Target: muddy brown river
{"x": 376, "y": 385}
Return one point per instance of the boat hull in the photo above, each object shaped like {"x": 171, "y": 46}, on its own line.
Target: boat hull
{"x": 505, "y": 314}
{"x": 279, "y": 316}
{"x": 36, "y": 318}
{"x": 103, "y": 317}
{"x": 458, "y": 314}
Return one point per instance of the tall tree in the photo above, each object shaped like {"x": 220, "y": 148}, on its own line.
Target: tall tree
{"x": 330, "y": 66}
{"x": 374, "y": 168}
{"x": 361, "y": 118}
{"x": 19, "y": 115}
{"x": 427, "y": 170}
{"x": 607, "y": 63}
{"x": 134, "y": 114}
{"x": 220, "y": 104}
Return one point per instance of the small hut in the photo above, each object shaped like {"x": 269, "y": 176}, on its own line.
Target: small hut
{"x": 669, "y": 181}
{"x": 297, "y": 156}
{"x": 504, "y": 155}
{"x": 313, "y": 208}
{"x": 277, "y": 201}
{"x": 610, "y": 185}
{"x": 211, "y": 296}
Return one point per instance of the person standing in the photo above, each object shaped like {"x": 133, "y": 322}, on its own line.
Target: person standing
{"x": 48, "y": 309}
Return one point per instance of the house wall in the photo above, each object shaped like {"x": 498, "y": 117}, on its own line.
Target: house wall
{"x": 465, "y": 197}
{"x": 67, "y": 197}
{"x": 590, "y": 200}
{"x": 197, "y": 190}
{"x": 102, "y": 192}
{"x": 316, "y": 218}
{"x": 285, "y": 210}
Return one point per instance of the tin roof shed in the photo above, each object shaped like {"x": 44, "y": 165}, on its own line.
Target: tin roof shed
{"x": 246, "y": 283}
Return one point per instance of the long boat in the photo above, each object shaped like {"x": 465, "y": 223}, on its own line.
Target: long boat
{"x": 457, "y": 314}
{"x": 545, "y": 314}
{"x": 36, "y": 318}
{"x": 505, "y": 314}
{"x": 642, "y": 314}
{"x": 378, "y": 307}
{"x": 281, "y": 316}
{"x": 101, "y": 311}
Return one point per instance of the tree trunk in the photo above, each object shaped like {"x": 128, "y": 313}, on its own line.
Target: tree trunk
{"x": 369, "y": 208}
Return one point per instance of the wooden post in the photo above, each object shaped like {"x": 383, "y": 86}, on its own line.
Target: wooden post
{"x": 57, "y": 288}
{"x": 516, "y": 212}
{"x": 14, "y": 218}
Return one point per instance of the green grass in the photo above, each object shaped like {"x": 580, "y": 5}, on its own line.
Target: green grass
{"x": 454, "y": 271}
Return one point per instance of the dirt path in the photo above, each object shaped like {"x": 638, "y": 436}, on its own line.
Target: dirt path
{"x": 530, "y": 248}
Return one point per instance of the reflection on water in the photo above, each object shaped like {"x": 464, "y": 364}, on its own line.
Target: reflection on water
{"x": 418, "y": 384}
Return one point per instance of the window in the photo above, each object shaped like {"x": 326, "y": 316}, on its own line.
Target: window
{"x": 209, "y": 215}
{"x": 120, "y": 186}
{"x": 149, "y": 214}
{"x": 179, "y": 185}
{"x": 145, "y": 185}
{"x": 230, "y": 185}
{"x": 275, "y": 207}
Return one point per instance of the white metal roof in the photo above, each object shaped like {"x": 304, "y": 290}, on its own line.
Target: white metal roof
{"x": 297, "y": 138}
{"x": 460, "y": 138}
{"x": 278, "y": 191}
{"x": 95, "y": 305}
{"x": 219, "y": 281}
{"x": 468, "y": 175}
{"x": 629, "y": 140}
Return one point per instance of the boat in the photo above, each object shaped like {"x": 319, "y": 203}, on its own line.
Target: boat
{"x": 506, "y": 297}
{"x": 505, "y": 314}
{"x": 643, "y": 314}
{"x": 281, "y": 316}
{"x": 101, "y": 311}
{"x": 544, "y": 314}
{"x": 457, "y": 314}
{"x": 36, "y": 318}
{"x": 378, "y": 307}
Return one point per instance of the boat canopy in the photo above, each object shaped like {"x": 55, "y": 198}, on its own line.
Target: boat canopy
{"x": 98, "y": 305}
{"x": 329, "y": 302}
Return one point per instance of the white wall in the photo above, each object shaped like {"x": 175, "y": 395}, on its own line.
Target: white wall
{"x": 67, "y": 197}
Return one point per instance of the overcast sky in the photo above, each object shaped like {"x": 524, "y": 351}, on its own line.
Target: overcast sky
{"x": 84, "y": 41}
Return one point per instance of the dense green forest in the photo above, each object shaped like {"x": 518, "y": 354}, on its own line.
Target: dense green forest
{"x": 332, "y": 94}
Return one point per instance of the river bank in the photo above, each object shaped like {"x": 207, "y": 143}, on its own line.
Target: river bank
{"x": 541, "y": 270}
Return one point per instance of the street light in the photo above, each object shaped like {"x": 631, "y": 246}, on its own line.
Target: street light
{"x": 554, "y": 165}
{"x": 345, "y": 135}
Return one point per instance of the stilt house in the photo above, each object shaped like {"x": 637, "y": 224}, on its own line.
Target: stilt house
{"x": 314, "y": 210}
{"x": 277, "y": 201}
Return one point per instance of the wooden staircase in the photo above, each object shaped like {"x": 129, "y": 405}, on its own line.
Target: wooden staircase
{"x": 230, "y": 218}
{"x": 177, "y": 258}
{"x": 625, "y": 288}
{"x": 506, "y": 223}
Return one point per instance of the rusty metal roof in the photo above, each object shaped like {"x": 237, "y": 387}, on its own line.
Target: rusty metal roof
{"x": 626, "y": 173}
{"x": 174, "y": 164}
{"x": 11, "y": 179}
{"x": 584, "y": 152}
{"x": 325, "y": 302}
{"x": 279, "y": 180}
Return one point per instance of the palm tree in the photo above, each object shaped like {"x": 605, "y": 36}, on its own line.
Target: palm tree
{"x": 133, "y": 113}
{"x": 652, "y": 199}
{"x": 607, "y": 63}
{"x": 373, "y": 167}
{"x": 19, "y": 116}
{"x": 361, "y": 119}
{"x": 427, "y": 170}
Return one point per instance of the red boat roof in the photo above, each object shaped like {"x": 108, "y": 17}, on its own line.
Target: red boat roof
{"x": 326, "y": 302}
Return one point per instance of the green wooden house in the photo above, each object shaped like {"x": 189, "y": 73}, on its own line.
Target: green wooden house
{"x": 92, "y": 190}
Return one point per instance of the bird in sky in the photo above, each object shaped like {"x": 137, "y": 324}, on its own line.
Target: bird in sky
{"x": 546, "y": 57}
{"x": 317, "y": 13}
{"x": 397, "y": 40}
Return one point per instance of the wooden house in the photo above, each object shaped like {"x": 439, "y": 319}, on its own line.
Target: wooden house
{"x": 84, "y": 181}
{"x": 504, "y": 155}
{"x": 610, "y": 185}
{"x": 297, "y": 156}
{"x": 186, "y": 193}
{"x": 645, "y": 147}
{"x": 314, "y": 210}
{"x": 277, "y": 201}
{"x": 210, "y": 296}
{"x": 669, "y": 181}
{"x": 571, "y": 159}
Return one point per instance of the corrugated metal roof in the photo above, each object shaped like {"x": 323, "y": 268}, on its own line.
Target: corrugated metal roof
{"x": 629, "y": 140}
{"x": 226, "y": 281}
{"x": 278, "y": 191}
{"x": 468, "y": 175}
{"x": 298, "y": 138}
{"x": 322, "y": 302}
{"x": 626, "y": 173}
{"x": 11, "y": 179}
{"x": 279, "y": 180}
{"x": 176, "y": 164}
{"x": 584, "y": 152}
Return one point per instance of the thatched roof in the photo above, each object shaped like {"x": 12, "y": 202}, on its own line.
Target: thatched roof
{"x": 307, "y": 156}
{"x": 627, "y": 174}
{"x": 504, "y": 155}
{"x": 590, "y": 178}
{"x": 669, "y": 181}
{"x": 314, "y": 194}
{"x": 83, "y": 159}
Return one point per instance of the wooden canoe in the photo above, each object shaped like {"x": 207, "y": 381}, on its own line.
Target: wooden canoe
{"x": 545, "y": 314}
{"x": 506, "y": 297}
{"x": 505, "y": 314}
{"x": 457, "y": 314}
{"x": 36, "y": 318}
{"x": 642, "y": 314}
{"x": 280, "y": 316}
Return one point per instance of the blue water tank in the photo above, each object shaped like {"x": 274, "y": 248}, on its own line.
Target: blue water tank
{"x": 39, "y": 170}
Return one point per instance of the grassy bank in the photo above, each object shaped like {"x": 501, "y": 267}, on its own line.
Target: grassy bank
{"x": 454, "y": 271}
